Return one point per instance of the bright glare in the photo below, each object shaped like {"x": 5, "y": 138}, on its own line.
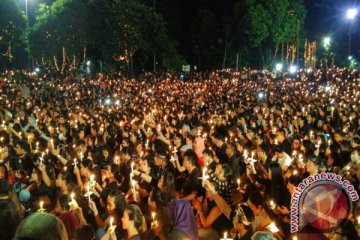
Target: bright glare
{"x": 327, "y": 40}
{"x": 107, "y": 101}
{"x": 88, "y": 63}
{"x": 261, "y": 95}
{"x": 278, "y": 67}
{"x": 292, "y": 69}
{"x": 351, "y": 13}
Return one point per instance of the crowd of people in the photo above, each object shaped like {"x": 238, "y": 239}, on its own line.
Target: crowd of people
{"x": 208, "y": 156}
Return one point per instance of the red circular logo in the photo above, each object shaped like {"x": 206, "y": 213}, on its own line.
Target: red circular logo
{"x": 325, "y": 206}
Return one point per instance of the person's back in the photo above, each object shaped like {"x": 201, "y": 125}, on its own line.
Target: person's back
{"x": 41, "y": 226}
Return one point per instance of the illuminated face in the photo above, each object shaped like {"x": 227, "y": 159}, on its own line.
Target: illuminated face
{"x": 126, "y": 223}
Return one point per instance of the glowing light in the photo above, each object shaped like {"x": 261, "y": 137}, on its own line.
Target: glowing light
{"x": 351, "y": 13}
{"x": 292, "y": 69}
{"x": 279, "y": 67}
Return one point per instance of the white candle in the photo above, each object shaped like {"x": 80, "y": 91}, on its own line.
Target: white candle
{"x": 72, "y": 197}
{"x": 204, "y": 176}
{"x": 41, "y": 204}
{"x": 132, "y": 167}
{"x": 358, "y": 220}
{"x": 272, "y": 228}
{"x": 111, "y": 222}
{"x": 153, "y": 214}
{"x": 238, "y": 183}
{"x": 272, "y": 204}
{"x": 225, "y": 235}
{"x": 52, "y": 143}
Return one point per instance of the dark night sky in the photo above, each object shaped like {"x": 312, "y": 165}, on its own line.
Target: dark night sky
{"x": 328, "y": 18}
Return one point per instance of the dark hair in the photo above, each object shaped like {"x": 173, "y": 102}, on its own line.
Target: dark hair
{"x": 5, "y": 188}
{"x": 135, "y": 215}
{"x": 169, "y": 184}
{"x": 84, "y": 232}
{"x": 9, "y": 219}
{"x": 257, "y": 199}
{"x": 87, "y": 164}
{"x": 294, "y": 180}
{"x": 159, "y": 197}
{"x": 119, "y": 200}
{"x": 191, "y": 156}
{"x": 64, "y": 202}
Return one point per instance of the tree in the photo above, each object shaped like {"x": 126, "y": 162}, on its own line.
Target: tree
{"x": 274, "y": 22}
{"x": 12, "y": 25}
{"x": 112, "y": 33}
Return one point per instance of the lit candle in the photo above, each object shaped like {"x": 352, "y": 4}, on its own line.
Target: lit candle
{"x": 225, "y": 236}
{"x": 72, "y": 197}
{"x": 272, "y": 204}
{"x": 52, "y": 143}
{"x": 153, "y": 214}
{"x": 238, "y": 183}
{"x": 132, "y": 167}
{"x": 358, "y": 220}
{"x": 41, "y": 209}
{"x": 204, "y": 177}
{"x": 111, "y": 227}
{"x": 272, "y": 228}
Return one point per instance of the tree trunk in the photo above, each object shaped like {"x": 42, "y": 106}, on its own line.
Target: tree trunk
{"x": 275, "y": 55}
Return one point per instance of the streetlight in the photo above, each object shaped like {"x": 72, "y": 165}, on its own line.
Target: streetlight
{"x": 351, "y": 14}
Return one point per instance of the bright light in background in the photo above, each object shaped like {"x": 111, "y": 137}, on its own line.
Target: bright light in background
{"x": 309, "y": 70}
{"x": 328, "y": 88}
{"x": 261, "y": 95}
{"x": 292, "y": 69}
{"x": 278, "y": 67}
{"x": 37, "y": 69}
{"x": 107, "y": 101}
{"x": 327, "y": 40}
{"x": 350, "y": 57}
{"x": 117, "y": 102}
{"x": 88, "y": 62}
{"x": 351, "y": 13}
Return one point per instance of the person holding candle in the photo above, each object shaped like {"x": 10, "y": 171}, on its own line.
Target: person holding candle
{"x": 67, "y": 217}
{"x": 242, "y": 216}
{"x": 160, "y": 222}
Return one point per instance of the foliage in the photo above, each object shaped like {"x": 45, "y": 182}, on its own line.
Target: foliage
{"x": 113, "y": 32}
{"x": 12, "y": 25}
